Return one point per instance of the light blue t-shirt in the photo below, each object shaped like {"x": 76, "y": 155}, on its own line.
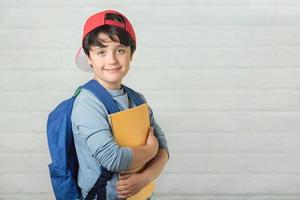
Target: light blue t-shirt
{"x": 94, "y": 143}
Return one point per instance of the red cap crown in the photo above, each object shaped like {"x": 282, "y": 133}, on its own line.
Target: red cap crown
{"x": 98, "y": 19}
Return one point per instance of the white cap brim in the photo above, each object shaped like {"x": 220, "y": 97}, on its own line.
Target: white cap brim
{"x": 82, "y": 62}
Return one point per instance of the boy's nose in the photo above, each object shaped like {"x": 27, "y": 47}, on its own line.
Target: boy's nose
{"x": 111, "y": 58}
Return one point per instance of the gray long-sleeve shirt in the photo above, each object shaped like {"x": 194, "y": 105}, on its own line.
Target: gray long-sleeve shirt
{"x": 94, "y": 143}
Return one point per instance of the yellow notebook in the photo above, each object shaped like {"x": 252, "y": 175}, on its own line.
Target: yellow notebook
{"x": 130, "y": 129}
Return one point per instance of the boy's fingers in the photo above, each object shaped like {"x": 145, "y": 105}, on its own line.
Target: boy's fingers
{"x": 122, "y": 188}
{"x": 123, "y": 197}
{"x": 124, "y": 176}
{"x": 123, "y": 192}
{"x": 121, "y": 183}
{"x": 151, "y": 129}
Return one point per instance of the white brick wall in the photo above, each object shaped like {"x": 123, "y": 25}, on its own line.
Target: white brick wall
{"x": 221, "y": 76}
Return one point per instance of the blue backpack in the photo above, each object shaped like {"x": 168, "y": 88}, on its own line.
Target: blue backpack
{"x": 64, "y": 167}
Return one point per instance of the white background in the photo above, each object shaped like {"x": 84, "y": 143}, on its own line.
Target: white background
{"x": 223, "y": 78}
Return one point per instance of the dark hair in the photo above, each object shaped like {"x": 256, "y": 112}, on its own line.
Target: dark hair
{"x": 92, "y": 39}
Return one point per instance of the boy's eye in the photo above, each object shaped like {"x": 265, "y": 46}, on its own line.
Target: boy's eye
{"x": 121, "y": 51}
{"x": 101, "y": 53}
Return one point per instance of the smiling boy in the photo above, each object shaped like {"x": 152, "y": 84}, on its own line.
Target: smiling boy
{"x": 107, "y": 49}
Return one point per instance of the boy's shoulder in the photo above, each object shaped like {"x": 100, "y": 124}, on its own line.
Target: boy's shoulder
{"x": 87, "y": 99}
{"x": 86, "y": 96}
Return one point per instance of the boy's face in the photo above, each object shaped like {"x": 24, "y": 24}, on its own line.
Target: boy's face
{"x": 110, "y": 63}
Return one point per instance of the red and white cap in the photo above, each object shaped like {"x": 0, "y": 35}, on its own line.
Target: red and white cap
{"x": 94, "y": 22}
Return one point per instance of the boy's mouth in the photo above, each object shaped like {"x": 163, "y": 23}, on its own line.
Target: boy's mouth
{"x": 113, "y": 69}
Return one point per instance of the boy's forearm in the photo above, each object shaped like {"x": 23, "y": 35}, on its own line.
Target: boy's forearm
{"x": 141, "y": 155}
{"x": 156, "y": 165}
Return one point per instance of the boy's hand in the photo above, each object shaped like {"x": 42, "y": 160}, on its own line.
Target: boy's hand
{"x": 130, "y": 184}
{"x": 152, "y": 141}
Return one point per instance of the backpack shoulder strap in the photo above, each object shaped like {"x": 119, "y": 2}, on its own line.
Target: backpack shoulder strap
{"x": 134, "y": 96}
{"x": 102, "y": 94}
